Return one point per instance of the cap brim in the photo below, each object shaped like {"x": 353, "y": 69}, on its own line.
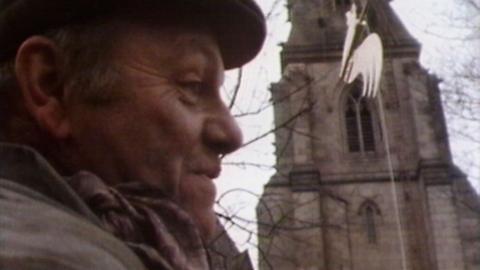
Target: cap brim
{"x": 238, "y": 25}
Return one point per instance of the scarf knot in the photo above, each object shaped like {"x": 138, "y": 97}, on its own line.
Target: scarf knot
{"x": 162, "y": 234}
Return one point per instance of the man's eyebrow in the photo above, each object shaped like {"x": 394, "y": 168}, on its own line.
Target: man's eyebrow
{"x": 197, "y": 42}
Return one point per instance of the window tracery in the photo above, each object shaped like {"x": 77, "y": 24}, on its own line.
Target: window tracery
{"x": 358, "y": 121}
{"x": 370, "y": 213}
{"x": 370, "y": 224}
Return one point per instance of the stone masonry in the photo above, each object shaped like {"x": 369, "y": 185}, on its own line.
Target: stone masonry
{"x": 329, "y": 207}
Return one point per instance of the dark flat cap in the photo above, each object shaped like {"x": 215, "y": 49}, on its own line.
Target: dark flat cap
{"x": 239, "y": 25}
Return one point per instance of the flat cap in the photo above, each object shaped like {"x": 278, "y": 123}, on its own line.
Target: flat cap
{"x": 239, "y": 25}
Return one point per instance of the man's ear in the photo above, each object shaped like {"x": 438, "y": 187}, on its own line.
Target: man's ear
{"x": 38, "y": 67}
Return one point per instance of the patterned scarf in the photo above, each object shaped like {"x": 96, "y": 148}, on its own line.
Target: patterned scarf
{"x": 156, "y": 229}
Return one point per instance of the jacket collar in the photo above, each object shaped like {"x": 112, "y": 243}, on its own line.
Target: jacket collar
{"x": 25, "y": 166}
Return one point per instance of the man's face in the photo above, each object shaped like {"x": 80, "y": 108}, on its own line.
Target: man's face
{"x": 170, "y": 128}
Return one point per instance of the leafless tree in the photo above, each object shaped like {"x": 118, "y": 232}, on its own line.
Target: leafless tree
{"x": 457, "y": 61}
{"x": 460, "y": 73}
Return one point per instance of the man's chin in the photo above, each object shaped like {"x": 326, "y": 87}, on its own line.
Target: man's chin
{"x": 207, "y": 224}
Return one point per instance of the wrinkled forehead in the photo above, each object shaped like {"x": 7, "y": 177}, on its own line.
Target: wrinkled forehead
{"x": 170, "y": 47}
{"x": 177, "y": 33}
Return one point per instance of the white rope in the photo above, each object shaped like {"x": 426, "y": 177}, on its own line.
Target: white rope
{"x": 392, "y": 182}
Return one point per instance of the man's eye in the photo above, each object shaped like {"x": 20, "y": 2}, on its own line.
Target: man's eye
{"x": 190, "y": 91}
{"x": 194, "y": 86}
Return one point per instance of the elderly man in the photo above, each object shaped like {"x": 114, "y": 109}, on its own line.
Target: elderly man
{"x": 113, "y": 128}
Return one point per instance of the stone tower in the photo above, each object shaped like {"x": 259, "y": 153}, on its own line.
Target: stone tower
{"x": 330, "y": 204}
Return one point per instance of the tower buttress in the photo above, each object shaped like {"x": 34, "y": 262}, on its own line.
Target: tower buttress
{"x": 329, "y": 206}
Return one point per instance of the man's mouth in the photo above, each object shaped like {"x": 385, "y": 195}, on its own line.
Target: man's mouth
{"x": 211, "y": 172}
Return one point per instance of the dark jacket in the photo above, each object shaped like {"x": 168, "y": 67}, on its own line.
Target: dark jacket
{"x": 45, "y": 225}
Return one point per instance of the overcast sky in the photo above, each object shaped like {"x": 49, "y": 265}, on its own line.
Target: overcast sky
{"x": 425, "y": 19}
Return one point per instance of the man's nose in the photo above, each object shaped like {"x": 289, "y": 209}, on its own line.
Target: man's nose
{"x": 222, "y": 133}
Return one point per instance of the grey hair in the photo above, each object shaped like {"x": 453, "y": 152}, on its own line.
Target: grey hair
{"x": 88, "y": 73}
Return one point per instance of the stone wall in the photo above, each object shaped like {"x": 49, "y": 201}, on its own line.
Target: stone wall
{"x": 446, "y": 235}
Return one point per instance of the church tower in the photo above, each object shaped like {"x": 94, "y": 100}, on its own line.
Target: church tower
{"x": 332, "y": 204}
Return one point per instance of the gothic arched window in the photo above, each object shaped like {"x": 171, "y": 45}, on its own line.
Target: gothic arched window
{"x": 358, "y": 121}
{"x": 370, "y": 213}
{"x": 370, "y": 224}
